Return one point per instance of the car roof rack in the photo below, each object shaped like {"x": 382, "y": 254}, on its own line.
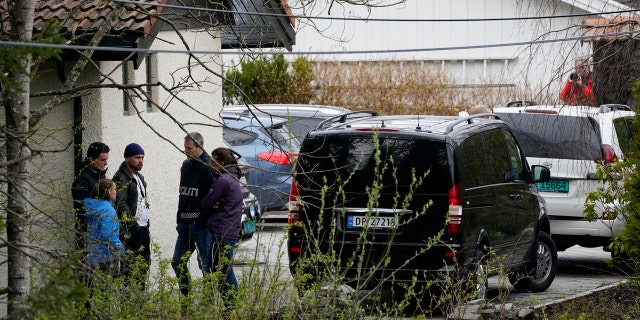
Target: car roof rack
{"x": 343, "y": 117}
{"x": 469, "y": 120}
{"x": 520, "y": 103}
{"x": 613, "y": 107}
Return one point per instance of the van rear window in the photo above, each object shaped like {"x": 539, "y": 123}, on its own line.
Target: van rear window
{"x": 355, "y": 161}
{"x": 553, "y": 136}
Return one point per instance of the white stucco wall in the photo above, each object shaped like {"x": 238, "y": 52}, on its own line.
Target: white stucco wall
{"x": 51, "y": 172}
{"x": 196, "y": 103}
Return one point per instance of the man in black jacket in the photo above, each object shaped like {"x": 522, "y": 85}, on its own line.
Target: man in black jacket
{"x": 133, "y": 210}
{"x": 94, "y": 169}
{"x": 196, "y": 178}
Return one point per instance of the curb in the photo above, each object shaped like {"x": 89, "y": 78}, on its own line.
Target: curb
{"x": 578, "y": 295}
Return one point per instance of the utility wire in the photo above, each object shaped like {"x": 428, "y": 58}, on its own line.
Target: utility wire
{"x": 281, "y": 15}
{"x": 140, "y": 50}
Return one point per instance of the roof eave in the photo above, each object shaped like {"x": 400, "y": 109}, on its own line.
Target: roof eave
{"x": 259, "y": 31}
{"x": 598, "y": 6}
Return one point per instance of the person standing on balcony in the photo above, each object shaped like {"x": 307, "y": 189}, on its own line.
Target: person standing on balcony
{"x": 578, "y": 89}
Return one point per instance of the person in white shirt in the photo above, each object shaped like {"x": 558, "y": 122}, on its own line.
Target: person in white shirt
{"x": 133, "y": 211}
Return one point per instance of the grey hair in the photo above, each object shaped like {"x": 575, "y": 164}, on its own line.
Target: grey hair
{"x": 580, "y": 61}
{"x": 195, "y": 137}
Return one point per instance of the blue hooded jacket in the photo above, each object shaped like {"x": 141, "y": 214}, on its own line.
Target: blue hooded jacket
{"x": 103, "y": 244}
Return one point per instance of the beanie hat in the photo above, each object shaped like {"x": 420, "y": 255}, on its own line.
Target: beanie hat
{"x": 133, "y": 149}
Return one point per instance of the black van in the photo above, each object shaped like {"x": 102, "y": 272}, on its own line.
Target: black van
{"x": 384, "y": 200}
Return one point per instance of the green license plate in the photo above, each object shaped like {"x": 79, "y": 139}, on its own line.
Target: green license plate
{"x": 554, "y": 186}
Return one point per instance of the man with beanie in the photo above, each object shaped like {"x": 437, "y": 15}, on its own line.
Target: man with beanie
{"x": 133, "y": 212}
{"x": 94, "y": 168}
{"x": 196, "y": 178}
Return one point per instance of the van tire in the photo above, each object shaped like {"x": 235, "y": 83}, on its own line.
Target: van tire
{"x": 540, "y": 276}
{"x": 479, "y": 276}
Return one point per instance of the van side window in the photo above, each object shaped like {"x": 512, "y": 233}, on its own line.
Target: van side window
{"x": 517, "y": 167}
{"x": 498, "y": 158}
{"x": 622, "y": 125}
{"x": 472, "y": 163}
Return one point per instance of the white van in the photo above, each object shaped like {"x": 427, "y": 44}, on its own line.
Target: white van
{"x": 570, "y": 141}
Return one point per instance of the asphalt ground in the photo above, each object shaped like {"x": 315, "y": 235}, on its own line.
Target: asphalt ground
{"x": 581, "y": 270}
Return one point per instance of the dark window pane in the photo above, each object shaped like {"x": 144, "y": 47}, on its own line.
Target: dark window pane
{"x": 472, "y": 162}
{"x": 498, "y": 160}
{"x": 553, "y": 136}
{"x": 237, "y": 137}
{"x": 398, "y": 165}
{"x": 622, "y": 130}
{"x": 515, "y": 159}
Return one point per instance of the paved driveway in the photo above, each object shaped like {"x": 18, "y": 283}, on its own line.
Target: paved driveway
{"x": 580, "y": 269}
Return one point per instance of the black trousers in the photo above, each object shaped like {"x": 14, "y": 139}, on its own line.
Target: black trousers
{"x": 137, "y": 246}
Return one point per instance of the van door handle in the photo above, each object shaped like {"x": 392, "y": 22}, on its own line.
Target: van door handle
{"x": 515, "y": 197}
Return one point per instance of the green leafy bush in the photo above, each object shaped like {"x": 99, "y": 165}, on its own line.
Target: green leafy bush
{"x": 620, "y": 192}
{"x": 265, "y": 80}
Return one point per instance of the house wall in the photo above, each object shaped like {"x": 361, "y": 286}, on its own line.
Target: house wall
{"x": 194, "y": 103}
{"x": 51, "y": 173}
{"x": 538, "y": 70}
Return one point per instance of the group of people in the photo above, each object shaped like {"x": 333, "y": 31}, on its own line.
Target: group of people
{"x": 209, "y": 213}
{"x": 113, "y": 215}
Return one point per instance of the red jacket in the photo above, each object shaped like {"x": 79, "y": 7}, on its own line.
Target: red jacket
{"x": 573, "y": 94}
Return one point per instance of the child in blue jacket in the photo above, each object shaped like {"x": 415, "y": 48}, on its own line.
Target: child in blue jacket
{"x": 104, "y": 246}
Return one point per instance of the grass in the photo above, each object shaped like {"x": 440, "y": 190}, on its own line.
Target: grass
{"x": 618, "y": 302}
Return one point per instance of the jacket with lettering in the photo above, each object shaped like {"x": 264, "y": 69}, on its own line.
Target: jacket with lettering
{"x": 196, "y": 177}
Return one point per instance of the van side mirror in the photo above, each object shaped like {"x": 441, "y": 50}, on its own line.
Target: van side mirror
{"x": 540, "y": 173}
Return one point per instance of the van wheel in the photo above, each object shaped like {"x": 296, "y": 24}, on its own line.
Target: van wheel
{"x": 539, "y": 278}
{"x": 479, "y": 278}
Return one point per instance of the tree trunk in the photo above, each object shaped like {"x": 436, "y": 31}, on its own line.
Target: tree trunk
{"x": 16, "y": 100}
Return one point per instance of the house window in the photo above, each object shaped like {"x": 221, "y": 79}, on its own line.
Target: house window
{"x": 128, "y": 95}
{"x": 152, "y": 78}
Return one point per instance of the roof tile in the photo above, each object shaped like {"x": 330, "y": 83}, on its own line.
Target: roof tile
{"x": 82, "y": 15}
{"x": 604, "y": 29}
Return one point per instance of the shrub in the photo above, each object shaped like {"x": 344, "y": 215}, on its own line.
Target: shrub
{"x": 265, "y": 80}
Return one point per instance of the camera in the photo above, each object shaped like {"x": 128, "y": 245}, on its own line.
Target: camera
{"x": 575, "y": 77}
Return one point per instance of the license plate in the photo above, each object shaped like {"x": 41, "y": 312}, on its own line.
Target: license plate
{"x": 554, "y": 186}
{"x": 249, "y": 226}
{"x": 372, "y": 222}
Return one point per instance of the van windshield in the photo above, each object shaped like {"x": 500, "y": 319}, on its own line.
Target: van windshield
{"x": 554, "y": 136}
